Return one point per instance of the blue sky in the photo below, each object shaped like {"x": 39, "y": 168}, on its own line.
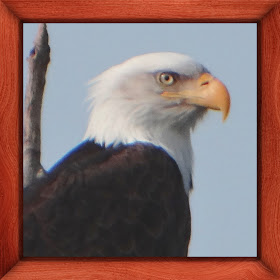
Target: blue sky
{"x": 223, "y": 203}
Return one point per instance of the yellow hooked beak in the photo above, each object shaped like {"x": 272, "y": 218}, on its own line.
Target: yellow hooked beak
{"x": 206, "y": 91}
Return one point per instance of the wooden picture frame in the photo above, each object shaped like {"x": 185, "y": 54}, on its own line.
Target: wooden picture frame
{"x": 266, "y": 13}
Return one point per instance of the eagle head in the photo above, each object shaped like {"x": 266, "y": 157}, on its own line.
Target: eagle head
{"x": 156, "y": 98}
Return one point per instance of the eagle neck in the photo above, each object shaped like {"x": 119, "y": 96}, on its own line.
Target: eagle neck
{"x": 176, "y": 141}
{"x": 178, "y": 146}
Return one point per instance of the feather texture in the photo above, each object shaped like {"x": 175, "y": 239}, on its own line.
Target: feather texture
{"x": 106, "y": 202}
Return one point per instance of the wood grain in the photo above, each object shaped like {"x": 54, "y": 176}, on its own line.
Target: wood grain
{"x": 149, "y": 268}
{"x": 266, "y": 13}
{"x": 140, "y": 11}
{"x": 10, "y": 141}
{"x": 269, "y": 138}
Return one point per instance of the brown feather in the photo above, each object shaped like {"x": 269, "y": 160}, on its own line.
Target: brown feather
{"x": 125, "y": 201}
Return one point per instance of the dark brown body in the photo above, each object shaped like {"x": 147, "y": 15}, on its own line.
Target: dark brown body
{"x": 125, "y": 201}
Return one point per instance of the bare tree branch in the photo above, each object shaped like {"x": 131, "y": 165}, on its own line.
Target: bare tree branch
{"x": 38, "y": 61}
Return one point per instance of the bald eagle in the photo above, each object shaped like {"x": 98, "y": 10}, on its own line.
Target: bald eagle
{"x": 124, "y": 191}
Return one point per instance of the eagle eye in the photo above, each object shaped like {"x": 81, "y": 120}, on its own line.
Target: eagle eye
{"x": 166, "y": 79}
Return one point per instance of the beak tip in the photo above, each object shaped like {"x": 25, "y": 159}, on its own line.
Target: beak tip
{"x": 225, "y": 115}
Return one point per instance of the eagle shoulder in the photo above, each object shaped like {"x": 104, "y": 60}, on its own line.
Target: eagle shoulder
{"x": 124, "y": 201}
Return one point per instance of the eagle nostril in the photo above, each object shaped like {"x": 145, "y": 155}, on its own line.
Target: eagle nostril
{"x": 204, "y": 83}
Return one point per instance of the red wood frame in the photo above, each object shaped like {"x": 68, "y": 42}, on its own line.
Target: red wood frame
{"x": 266, "y": 13}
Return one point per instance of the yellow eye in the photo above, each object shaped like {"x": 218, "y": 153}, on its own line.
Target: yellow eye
{"x": 166, "y": 79}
